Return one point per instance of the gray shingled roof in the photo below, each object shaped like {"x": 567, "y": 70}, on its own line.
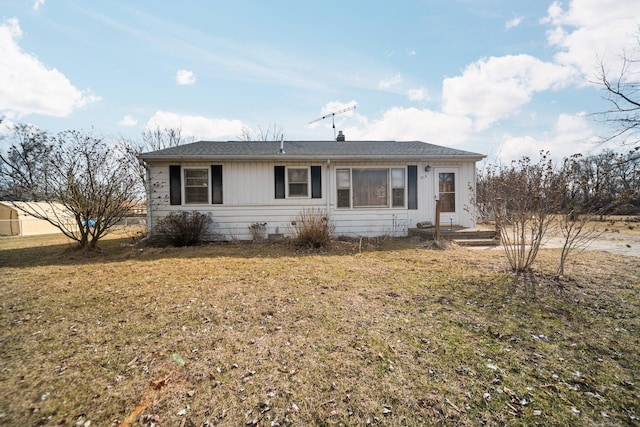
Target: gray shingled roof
{"x": 308, "y": 150}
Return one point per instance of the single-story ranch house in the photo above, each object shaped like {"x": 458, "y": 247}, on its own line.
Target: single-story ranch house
{"x": 366, "y": 188}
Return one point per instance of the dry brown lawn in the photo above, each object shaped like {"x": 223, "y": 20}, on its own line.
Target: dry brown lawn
{"x": 268, "y": 335}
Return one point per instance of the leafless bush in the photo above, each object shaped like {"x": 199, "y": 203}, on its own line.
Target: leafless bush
{"x": 312, "y": 228}
{"x": 523, "y": 201}
{"x": 258, "y": 231}
{"x": 182, "y": 228}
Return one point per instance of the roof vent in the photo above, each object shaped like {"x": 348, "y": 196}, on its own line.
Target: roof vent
{"x": 340, "y": 136}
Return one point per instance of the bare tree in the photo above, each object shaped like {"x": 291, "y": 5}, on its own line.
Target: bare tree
{"x": 529, "y": 200}
{"x": 273, "y": 132}
{"x": 607, "y": 182}
{"x": 151, "y": 140}
{"x": 82, "y": 186}
{"x": 577, "y": 210}
{"x": 523, "y": 201}
{"x": 622, "y": 91}
{"x": 22, "y": 176}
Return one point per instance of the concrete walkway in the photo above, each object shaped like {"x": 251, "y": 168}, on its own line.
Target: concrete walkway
{"x": 614, "y": 243}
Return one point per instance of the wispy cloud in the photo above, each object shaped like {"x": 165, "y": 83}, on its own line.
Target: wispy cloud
{"x": 419, "y": 94}
{"x": 512, "y": 23}
{"x": 128, "y": 121}
{"x": 185, "y": 77}
{"x": 252, "y": 62}
{"x": 38, "y": 3}
{"x": 390, "y": 82}
{"x": 199, "y": 127}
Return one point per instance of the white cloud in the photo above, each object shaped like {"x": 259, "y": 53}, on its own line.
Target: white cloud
{"x": 418, "y": 94}
{"x": 571, "y": 134}
{"x": 512, "y": 23}
{"x": 406, "y": 124}
{"x": 411, "y": 52}
{"x": 334, "y": 107}
{"x": 128, "y": 121}
{"x": 592, "y": 30}
{"x": 516, "y": 147}
{"x": 27, "y": 86}
{"x": 185, "y": 77}
{"x": 37, "y": 4}
{"x": 495, "y": 87}
{"x": 400, "y": 124}
{"x": 390, "y": 82}
{"x": 199, "y": 127}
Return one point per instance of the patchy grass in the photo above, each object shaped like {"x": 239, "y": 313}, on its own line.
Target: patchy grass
{"x": 250, "y": 334}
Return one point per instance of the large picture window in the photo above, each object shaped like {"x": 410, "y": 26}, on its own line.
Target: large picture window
{"x": 371, "y": 187}
{"x": 196, "y": 186}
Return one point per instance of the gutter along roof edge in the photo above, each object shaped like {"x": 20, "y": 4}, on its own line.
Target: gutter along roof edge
{"x": 295, "y": 157}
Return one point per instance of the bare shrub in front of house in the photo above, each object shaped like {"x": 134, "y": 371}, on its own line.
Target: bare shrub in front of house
{"x": 312, "y": 228}
{"x": 182, "y": 228}
{"x": 524, "y": 200}
{"x": 258, "y": 231}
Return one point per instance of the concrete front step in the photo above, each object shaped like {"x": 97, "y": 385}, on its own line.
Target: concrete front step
{"x": 476, "y": 242}
{"x": 455, "y": 234}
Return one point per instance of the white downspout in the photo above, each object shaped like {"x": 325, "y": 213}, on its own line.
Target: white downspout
{"x": 148, "y": 191}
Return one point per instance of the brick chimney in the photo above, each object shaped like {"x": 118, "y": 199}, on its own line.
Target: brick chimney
{"x": 340, "y": 137}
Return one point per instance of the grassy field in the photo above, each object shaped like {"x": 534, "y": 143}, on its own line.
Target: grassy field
{"x": 393, "y": 334}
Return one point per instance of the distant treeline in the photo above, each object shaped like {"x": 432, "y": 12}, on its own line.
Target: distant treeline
{"x": 607, "y": 183}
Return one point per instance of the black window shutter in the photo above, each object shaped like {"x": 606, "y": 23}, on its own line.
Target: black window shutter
{"x": 316, "y": 182}
{"x": 174, "y": 185}
{"x": 412, "y": 186}
{"x": 216, "y": 184}
{"x": 279, "y": 180}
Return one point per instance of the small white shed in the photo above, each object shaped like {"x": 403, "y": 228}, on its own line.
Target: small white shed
{"x": 16, "y": 221}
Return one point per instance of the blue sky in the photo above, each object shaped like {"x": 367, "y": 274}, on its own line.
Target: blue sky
{"x": 505, "y": 78}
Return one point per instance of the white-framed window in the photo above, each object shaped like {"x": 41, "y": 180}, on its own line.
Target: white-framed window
{"x": 298, "y": 182}
{"x": 371, "y": 187}
{"x": 343, "y": 186}
{"x": 397, "y": 187}
{"x": 196, "y": 185}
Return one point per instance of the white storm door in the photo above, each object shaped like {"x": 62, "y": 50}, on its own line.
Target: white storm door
{"x": 447, "y": 192}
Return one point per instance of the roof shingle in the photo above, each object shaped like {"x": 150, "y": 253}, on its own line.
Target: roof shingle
{"x": 300, "y": 150}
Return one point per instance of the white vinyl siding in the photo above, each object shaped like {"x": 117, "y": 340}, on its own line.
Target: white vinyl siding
{"x": 249, "y": 197}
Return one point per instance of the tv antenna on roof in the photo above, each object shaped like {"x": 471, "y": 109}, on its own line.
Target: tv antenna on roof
{"x": 332, "y": 115}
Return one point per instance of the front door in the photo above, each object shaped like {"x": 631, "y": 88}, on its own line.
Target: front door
{"x": 446, "y": 181}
